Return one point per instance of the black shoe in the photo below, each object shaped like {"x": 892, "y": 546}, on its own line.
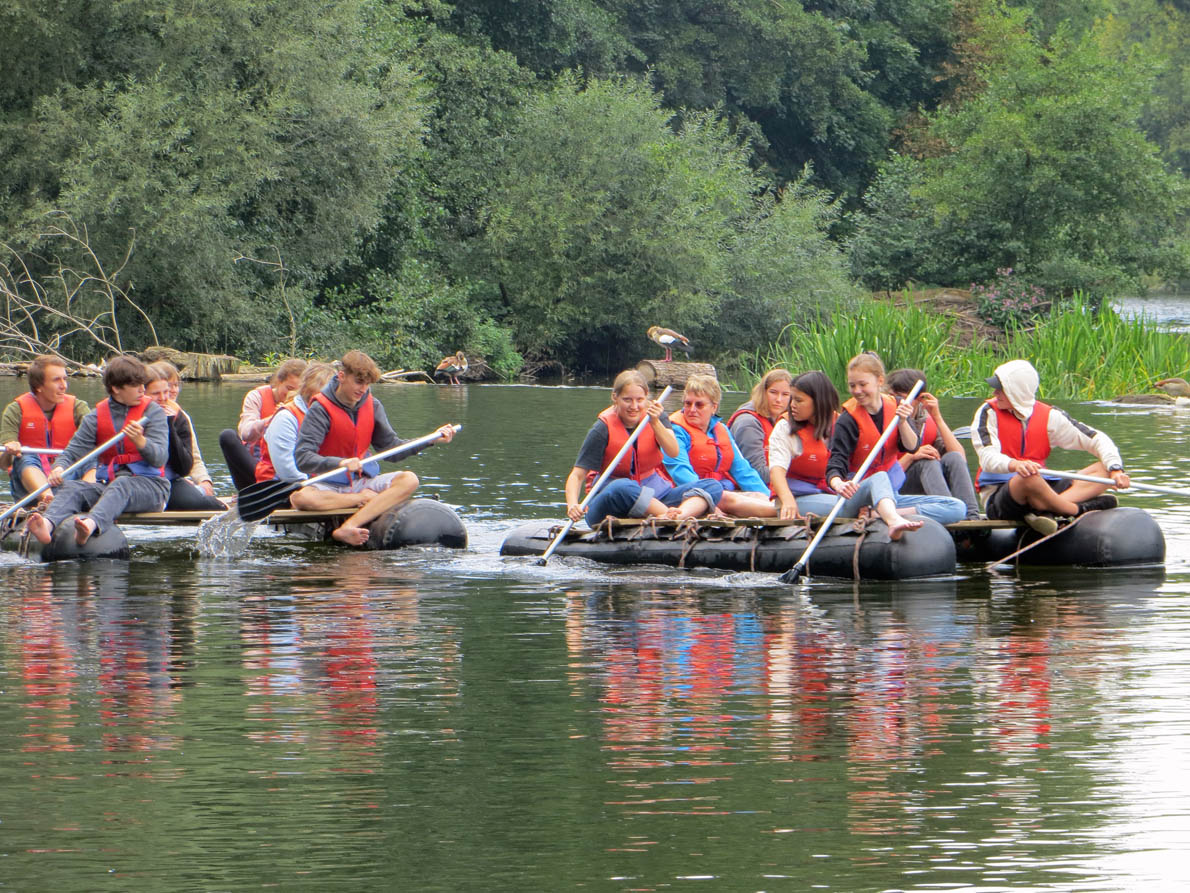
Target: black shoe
{"x": 1098, "y": 503}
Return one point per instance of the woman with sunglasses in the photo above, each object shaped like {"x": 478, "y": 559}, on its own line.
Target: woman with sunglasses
{"x": 706, "y": 450}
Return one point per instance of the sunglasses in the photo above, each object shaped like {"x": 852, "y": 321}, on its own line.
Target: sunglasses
{"x": 696, "y": 404}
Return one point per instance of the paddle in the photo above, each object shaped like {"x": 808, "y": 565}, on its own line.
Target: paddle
{"x": 607, "y": 472}
{"x": 1133, "y": 485}
{"x": 257, "y": 501}
{"x": 41, "y": 451}
{"x": 83, "y": 461}
{"x": 792, "y": 575}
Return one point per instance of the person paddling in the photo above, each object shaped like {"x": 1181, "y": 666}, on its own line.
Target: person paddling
{"x": 707, "y": 451}
{"x": 798, "y": 456}
{"x": 636, "y": 488}
{"x": 1013, "y": 434}
{"x": 938, "y": 467}
{"x": 241, "y": 445}
{"x": 46, "y": 417}
{"x": 752, "y": 424}
{"x": 130, "y": 476}
{"x": 858, "y": 429}
{"x": 343, "y": 422}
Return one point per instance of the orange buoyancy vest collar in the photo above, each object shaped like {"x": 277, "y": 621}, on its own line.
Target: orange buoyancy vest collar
{"x": 765, "y": 425}
{"x": 264, "y": 468}
{"x": 637, "y": 463}
{"x": 124, "y": 453}
{"x": 869, "y": 434}
{"x": 36, "y": 432}
{"x": 709, "y": 458}
{"x": 347, "y": 439}
{"x": 810, "y": 465}
{"x": 1021, "y": 441}
{"x": 929, "y": 432}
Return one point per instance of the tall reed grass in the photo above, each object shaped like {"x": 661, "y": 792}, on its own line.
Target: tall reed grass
{"x": 1081, "y": 353}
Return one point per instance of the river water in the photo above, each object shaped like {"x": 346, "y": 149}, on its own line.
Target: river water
{"x": 308, "y": 718}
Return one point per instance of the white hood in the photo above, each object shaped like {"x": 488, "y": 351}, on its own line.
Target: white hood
{"x": 1019, "y": 381}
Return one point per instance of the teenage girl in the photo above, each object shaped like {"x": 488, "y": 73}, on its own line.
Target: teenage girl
{"x": 752, "y": 424}
{"x": 860, "y": 425}
{"x": 184, "y": 496}
{"x": 637, "y": 488}
{"x": 798, "y": 454}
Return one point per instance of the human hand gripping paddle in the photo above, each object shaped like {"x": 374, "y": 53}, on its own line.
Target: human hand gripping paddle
{"x": 75, "y": 467}
{"x": 258, "y": 501}
{"x": 795, "y": 572}
{"x": 599, "y": 482}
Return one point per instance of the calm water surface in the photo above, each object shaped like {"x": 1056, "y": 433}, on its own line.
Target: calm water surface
{"x": 309, "y": 718}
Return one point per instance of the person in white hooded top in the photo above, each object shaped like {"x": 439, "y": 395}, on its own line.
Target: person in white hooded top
{"x": 1013, "y": 434}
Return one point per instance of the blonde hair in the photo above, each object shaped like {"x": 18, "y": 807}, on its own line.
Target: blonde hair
{"x": 868, "y": 361}
{"x": 288, "y": 369}
{"x": 314, "y": 379}
{"x": 162, "y": 370}
{"x": 707, "y": 385}
{"x": 626, "y": 379}
{"x": 759, "y": 395}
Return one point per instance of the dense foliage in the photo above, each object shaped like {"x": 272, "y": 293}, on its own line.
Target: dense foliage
{"x": 538, "y": 182}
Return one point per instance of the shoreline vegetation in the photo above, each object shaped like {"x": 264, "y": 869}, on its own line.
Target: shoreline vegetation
{"x": 1081, "y": 352}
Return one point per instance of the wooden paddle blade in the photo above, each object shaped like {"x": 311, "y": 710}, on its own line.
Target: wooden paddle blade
{"x": 257, "y": 501}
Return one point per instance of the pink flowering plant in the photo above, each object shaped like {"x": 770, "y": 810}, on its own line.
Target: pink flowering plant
{"x": 1010, "y": 301}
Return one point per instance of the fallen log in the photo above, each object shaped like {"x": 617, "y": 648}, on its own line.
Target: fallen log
{"x": 660, "y": 374}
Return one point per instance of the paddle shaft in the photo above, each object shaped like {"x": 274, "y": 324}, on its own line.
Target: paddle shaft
{"x": 407, "y": 447}
{"x": 83, "y": 461}
{"x": 599, "y": 481}
{"x": 41, "y": 451}
{"x": 791, "y": 575}
{"x": 1133, "y": 485}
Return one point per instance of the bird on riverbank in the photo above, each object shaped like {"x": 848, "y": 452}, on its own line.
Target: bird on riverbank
{"x": 1175, "y": 387}
{"x": 670, "y": 340}
{"x": 452, "y": 367}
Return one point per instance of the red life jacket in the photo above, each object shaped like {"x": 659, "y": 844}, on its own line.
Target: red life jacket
{"x": 346, "y": 438}
{"x": 869, "y": 434}
{"x": 264, "y": 468}
{"x": 709, "y": 458}
{"x": 639, "y": 462}
{"x": 35, "y": 432}
{"x": 268, "y": 408}
{"x": 810, "y": 465}
{"x": 1018, "y": 441}
{"x": 124, "y": 453}
{"x": 765, "y": 425}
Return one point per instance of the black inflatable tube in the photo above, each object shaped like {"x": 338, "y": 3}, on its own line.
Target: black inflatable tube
{"x": 925, "y": 552}
{"x": 418, "y": 522}
{"x": 1119, "y": 537}
{"x": 62, "y": 547}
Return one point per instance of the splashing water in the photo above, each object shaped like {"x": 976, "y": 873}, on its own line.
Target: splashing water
{"x": 225, "y": 536}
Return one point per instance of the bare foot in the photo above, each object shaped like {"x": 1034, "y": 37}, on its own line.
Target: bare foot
{"x": 83, "y": 528}
{"x": 42, "y": 530}
{"x": 352, "y": 536}
{"x": 898, "y": 527}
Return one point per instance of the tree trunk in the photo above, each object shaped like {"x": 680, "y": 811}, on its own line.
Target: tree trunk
{"x": 659, "y": 373}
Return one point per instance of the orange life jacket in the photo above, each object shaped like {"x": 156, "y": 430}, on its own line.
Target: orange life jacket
{"x": 709, "y": 458}
{"x": 347, "y": 438}
{"x": 35, "y": 432}
{"x": 637, "y": 463}
{"x": 1018, "y": 441}
{"x": 869, "y": 434}
{"x": 268, "y": 408}
{"x": 264, "y": 468}
{"x": 765, "y": 425}
{"x": 123, "y": 454}
{"x": 810, "y": 465}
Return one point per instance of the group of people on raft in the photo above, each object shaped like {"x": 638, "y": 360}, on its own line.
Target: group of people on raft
{"x": 789, "y": 451}
{"x": 792, "y": 450}
{"x": 310, "y": 419}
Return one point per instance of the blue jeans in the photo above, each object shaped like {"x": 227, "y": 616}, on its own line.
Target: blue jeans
{"x": 626, "y": 498}
{"x": 875, "y": 487}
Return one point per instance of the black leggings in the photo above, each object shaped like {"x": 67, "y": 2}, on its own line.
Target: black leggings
{"x": 185, "y": 497}
{"x": 240, "y": 462}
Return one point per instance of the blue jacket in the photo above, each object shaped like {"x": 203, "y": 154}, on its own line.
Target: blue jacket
{"x": 682, "y": 472}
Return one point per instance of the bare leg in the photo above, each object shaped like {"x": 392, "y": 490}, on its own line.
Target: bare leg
{"x": 33, "y": 479}
{"x": 311, "y": 499}
{"x": 691, "y": 507}
{"x": 746, "y": 505}
{"x": 353, "y": 532}
{"x": 897, "y": 523}
{"x": 42, "y": 529}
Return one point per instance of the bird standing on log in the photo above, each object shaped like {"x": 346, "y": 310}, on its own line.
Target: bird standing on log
{"x": 452, "y": 367}
{"x": 669, "y": 339}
